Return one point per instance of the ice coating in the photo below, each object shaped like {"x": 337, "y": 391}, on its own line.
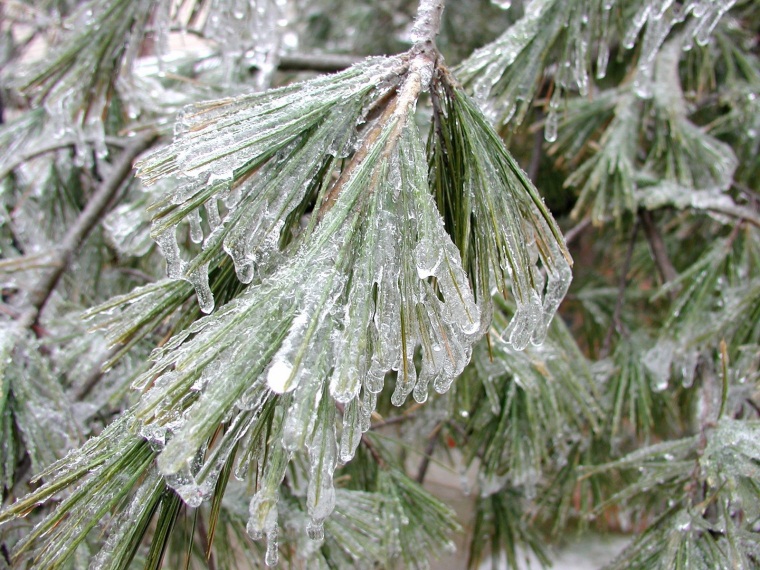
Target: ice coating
{"x": 280, "y": 336}
{"x": 525, "y": 249}
{"x": 371, "y": 287}
{"x": 323, "y": 456}
{"x": 245, "y": 151}
{"x": 504, "y": 74}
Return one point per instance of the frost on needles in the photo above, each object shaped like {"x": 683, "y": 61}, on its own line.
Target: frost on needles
{"x": 319, "y": 194}
{"x": 363, "y": 260}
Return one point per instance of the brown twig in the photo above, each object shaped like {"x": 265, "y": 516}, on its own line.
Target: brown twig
{"x": 572, "y": 234}
{"x": 325, "y": 63}
{"x": 615, "y": 323}
{"x": 428, "y": 453}
{"x": 393, "y": 420}
{"x": 659, "y": 252}
{"x": 536, "y": 153}
{"x": 87, "y": 220}
{"x": 373, "y": 451}
{"x": 84, "y": 388}
{"x": 53, "y": 147}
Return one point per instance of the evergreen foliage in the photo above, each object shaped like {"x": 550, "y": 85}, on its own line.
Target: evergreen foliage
{"x": 249, "y": 348}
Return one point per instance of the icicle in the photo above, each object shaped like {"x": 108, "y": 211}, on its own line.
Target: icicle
{"x": 272, "y": 556}
{"x": 428, "y": 258}
{"x": 406, "y": 377}
{"x": 443, "y": 382}
{"x": 387, "y": 319}
{"x": 369, "y": 401}
{"x": 709, "y": 19}
{"x": 183, "y": 483}
{"x": 602, "y": 59}
{"x": 581, "y": 54}
{"x": 263, "y": 515}
{"x": 196, "y": 232}
{"x": 232, "y": 198}
{"x": 525, "y": 320}
{"x": 300, "y": 420}
{"x": 199, "y": 278}
{"x": 460, "y": 307}
{"x": 689, "y": 361}
{"x": 375, "y": 378}
{"x": 420, "y": 392}
{"x": 212, "y": 209}
{"x": 552, "y": 118}
{"x": 558, "y": 282}
{"x": 657, "y": 361}
{"x": 320, "y": 495}
{"x": 629, "y": 40}
{"x": 352, "y": 345}
{"x": 352, "y": 430}
{"x": 281, "y": 377}
{"x": 167, "y": 243}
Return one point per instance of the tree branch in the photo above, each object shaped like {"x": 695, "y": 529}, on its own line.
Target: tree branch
{"x": 57, "y": 145}
{"x": 536, "y": 153}
{"x": 427, "y": 24}
{"x": 83, "y": 389}
{"x": 616, "y": 324}
{"x": 326, "y": 63}
{"x": 659, "y": 252}
{"x": 87, "y": 220}
{"x": 572, "y": 234}
{"x": 428, "y": 453}
{"x": 394, "y": 420}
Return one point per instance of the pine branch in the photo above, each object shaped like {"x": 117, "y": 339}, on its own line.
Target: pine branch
{"x": 659, "y": 252}
{"x": 83, "y": 388}
{"x": 573, "y": 233}
{"x": 336, "y": 258}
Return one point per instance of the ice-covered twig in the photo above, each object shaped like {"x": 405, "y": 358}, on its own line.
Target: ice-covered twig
{"x": 53, "y": 147}
{"x": 428, "y": 21}
{"x": 87, "y": 220}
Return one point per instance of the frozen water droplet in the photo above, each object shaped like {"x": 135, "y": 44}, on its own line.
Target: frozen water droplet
{"x": 657, "y": 361}
{"x": 199, "y": 279}
{"x": 420, "y": 392}
{"x": 352, "y": 431}
{"x": 443, "y": 382}
{"x": 272, "y": 556}
{"x": 602, "y": 60}
{"x": 279, "y": 375}
{"x": 196, "y": 232}
{"x": 167, "y": 243}
{"x": 551, "y": 126}
{"x": 428, "y": 258}
{"x": 316, "y": 530}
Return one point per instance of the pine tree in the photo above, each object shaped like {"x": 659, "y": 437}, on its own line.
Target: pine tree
{"x": 330, "y": 267}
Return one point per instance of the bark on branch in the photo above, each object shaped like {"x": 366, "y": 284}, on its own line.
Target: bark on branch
{"x": 87, "y": 220}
